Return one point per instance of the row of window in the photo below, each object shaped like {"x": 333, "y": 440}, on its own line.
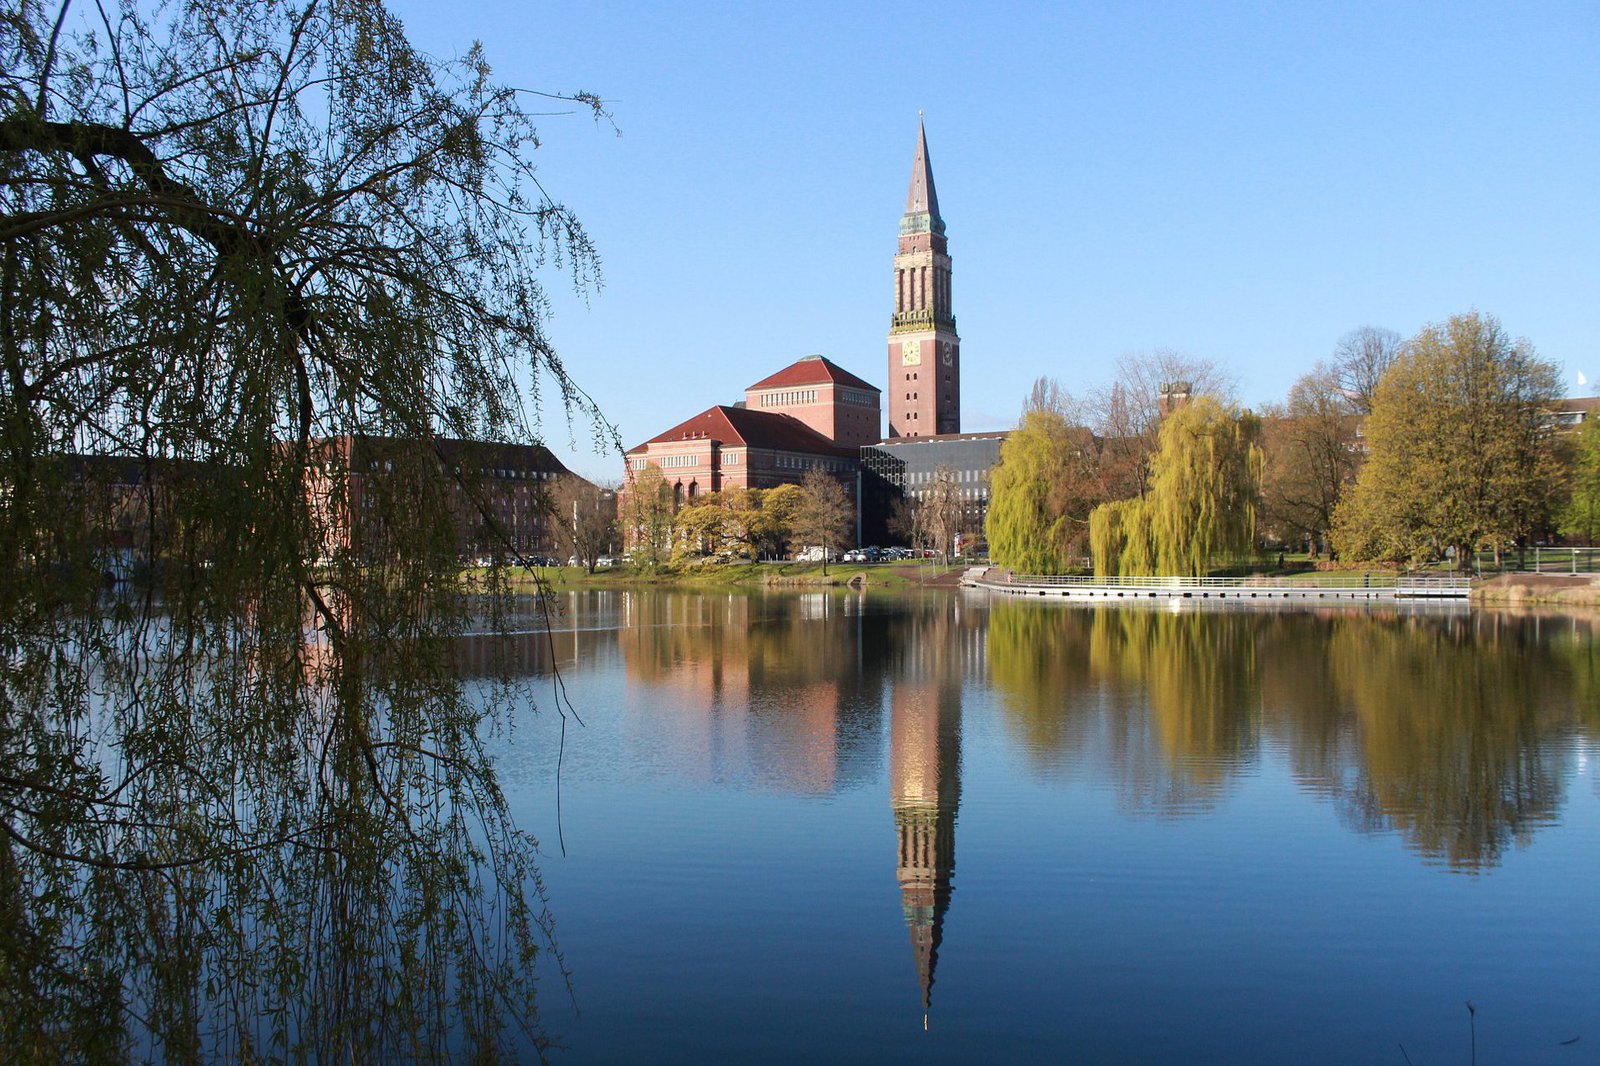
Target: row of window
{"x": 510, "y": 475}
{"x": 928, "y": 477}
{"x": 644, "y": 462}
{"x": 789, "y": 398}
{"x": 965, "y": 494}
{"x": 806, "y": 462}
{"x": 856, "y": 396}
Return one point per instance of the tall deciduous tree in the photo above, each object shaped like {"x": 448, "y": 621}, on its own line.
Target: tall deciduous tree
{"x": 1581, "y": 517}
{"x": 939, "y": 511}
{"x": 1360, "y": 360}
{"x": 647, "y": 516}
{"x": 252, "y": 815}
{"x": 586, "y": 514}
{"x": 1041, "y": 492}
{"x": 702, "y": 526}
{"x": 1127, "y": 416}
{"x": 1311, "y": 454}
{"x": 771, "y": 526}
{"x": 825, "y": 517}
{"x": 1458, "y": 447}
{"x": 1201, "y": 504}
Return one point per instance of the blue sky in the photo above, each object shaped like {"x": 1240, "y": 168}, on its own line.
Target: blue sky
{"x": 1245, "y": 183}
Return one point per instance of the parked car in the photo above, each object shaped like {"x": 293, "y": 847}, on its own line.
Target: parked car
{"x": 855, "y": 555}
{"x": 605, "y": 560}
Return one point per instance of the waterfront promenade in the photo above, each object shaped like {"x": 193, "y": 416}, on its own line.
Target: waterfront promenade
{"x": 1344, "y": 586}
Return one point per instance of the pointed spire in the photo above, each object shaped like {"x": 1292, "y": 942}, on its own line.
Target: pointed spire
{"x": 921, "y": 198}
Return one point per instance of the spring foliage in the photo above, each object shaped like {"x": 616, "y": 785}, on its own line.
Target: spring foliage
{"x": 1041, "y": 493}
{"x": 245, "y": 807}
{"x": 1200, "y": 507}
{"x": 1458, "y": 447}
{"x": 1582, "y": 515}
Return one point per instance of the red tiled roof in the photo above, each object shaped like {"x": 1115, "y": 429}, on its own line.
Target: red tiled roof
{"x": 810, "y": 371}
{"x": 753, "y": 429}
{"x": 1578, "y": 403}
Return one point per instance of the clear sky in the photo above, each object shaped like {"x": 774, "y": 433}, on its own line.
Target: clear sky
{"x": 1245, "y": 183}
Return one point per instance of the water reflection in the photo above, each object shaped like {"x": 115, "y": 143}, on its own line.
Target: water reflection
{"x": 1448, "y": 727}
{"x": 786, "y": 695}
{"x": 1149, "y": 799}
{"x": 925, "y": 781}
{"x": 789, "y": 694}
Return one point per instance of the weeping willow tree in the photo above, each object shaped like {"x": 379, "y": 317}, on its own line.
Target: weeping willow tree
{"x": 1042, "y": 492}
{"x": 245, "y": 811}
{"x": 1200, "y": 506}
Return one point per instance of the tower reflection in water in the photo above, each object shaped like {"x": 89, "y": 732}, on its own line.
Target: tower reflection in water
{"x": 925, "y": 785}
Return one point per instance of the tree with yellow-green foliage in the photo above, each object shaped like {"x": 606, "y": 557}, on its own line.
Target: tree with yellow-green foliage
{"x": 1041, "y": 494}
{"x": 647, "y": 516}
{"x": 250, "y": 809}
{"x": 1582, "y": 515}
{"x": 769, "y": 521}
{"x": 1458, "y": 450}
{"x": 701, "y": 527}
{"x": 1200, "y": 506}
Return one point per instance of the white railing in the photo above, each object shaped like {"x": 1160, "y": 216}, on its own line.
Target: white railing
{"x": 1337, "y": 579}
{"x": 1543, "y": 561}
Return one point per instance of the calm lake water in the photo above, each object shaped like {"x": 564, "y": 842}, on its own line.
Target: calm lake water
{"x": 838, "y": 827}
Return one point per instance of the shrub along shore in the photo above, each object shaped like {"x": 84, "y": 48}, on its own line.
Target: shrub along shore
{"x": 907, "y": 574}
{"x": 1581, "y": 592}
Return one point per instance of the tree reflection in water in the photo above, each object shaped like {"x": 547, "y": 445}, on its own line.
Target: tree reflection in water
{"x": 1447, "y": 727}
{"x": 222, "y": 843}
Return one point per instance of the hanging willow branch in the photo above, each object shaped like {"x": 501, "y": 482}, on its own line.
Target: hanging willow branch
{"x": 245, "y": 809}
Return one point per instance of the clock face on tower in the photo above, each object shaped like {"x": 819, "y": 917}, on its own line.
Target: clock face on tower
{"x": 948, "y": 353}
{"x": 911, "y": 353}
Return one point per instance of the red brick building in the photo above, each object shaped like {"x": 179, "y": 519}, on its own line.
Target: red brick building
{"x": 811, "y": 415}
{"x": 725, "y": 448}
{"x": 824, "y": 396}
{"x": 498, "y": 495}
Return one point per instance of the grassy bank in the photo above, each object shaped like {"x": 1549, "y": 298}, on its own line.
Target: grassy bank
{"x": 1539, "y": 590}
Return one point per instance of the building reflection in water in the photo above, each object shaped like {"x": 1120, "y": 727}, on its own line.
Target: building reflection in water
{"x": 925, "y": 777}
{"x": 789, "y": 693}
{"x": 783, "y": 694}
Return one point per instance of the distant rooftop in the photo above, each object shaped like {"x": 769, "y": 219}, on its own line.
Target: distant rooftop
{"x": 813, "y": 370}
{"x": 988, "y": 434}
{"x": 742, "y": 426}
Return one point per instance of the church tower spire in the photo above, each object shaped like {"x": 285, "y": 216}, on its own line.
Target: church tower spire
{"x": 924, "y": 351}
{"x": 921, "y": 198}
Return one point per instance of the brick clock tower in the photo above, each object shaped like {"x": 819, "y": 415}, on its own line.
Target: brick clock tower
{"x": 924, "y": 352}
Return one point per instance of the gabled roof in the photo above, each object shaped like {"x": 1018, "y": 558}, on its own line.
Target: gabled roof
{"x": 813, "y": 370}
{"x": 754, "y": 429}
{"x": 921, "y": 198}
